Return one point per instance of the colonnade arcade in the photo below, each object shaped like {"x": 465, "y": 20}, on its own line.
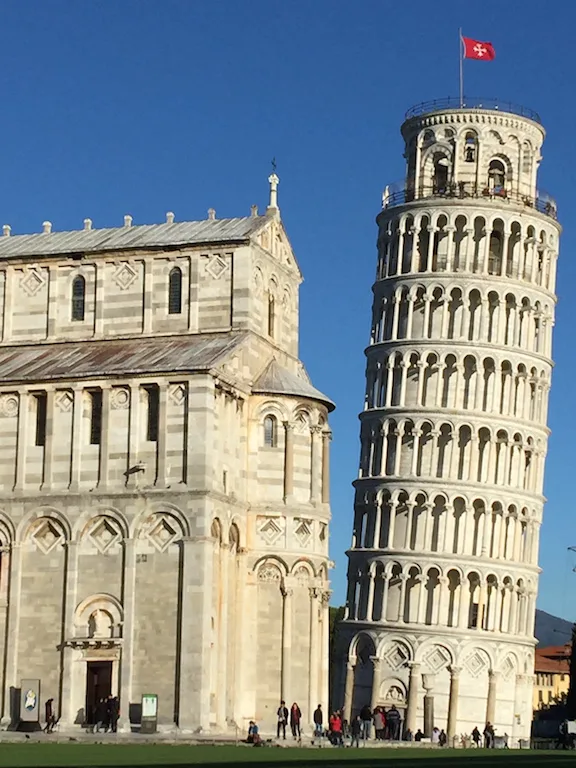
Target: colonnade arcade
{"x": 457, "y": 241}
{"x": 494, "y": 384}
{"x": 507, "y": 318}
{"x": 456, "y": 525}
{"x": 401, "y": 447}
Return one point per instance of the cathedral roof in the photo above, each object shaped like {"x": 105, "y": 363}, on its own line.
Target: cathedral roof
{"x": 276, "y": 380}
{"x": 95, "y": 358}
{"x": 121, "y": 238}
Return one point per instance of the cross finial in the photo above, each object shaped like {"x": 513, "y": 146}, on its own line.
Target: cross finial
{"x": 274, "y": 166}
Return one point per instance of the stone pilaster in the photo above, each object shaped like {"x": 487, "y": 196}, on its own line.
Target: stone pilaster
{"x": 412, "y": 703}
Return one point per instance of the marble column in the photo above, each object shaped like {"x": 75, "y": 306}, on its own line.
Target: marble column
{"x": 68, "y": 710}
{"x": 326, "y": 437}
{"x": 428, "y": 683}
{"x": 128, "y": 603}
{"x": 288, "y": 461}
{"x": 315, "y": 465}
{"x": 453, "y": 704}
{"x": 492, "y": 692}
{"x": 412, "y": 703}
{"x": 313, "y": 660}
{"x": 11, "y": 682}
{"x": 104, "y": 456}
{"x": 286, "y": 642}
{"x": 348, "y": 690}
{"x": 376, "y": 681}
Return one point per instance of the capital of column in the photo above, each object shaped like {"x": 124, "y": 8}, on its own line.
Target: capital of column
{"x": 375, "y": 661}
{"x": 287, "y": 426}
{"x": 414, "y": 667}
{"x": 454, "y": 671}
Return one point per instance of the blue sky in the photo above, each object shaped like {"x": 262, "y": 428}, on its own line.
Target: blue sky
{"x": 145, "y": 106}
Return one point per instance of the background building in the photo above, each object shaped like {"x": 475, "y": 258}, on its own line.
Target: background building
{"x": 163, "y": 472}
{"x": 443, "y": 567}
{"x": 551, "y": 675}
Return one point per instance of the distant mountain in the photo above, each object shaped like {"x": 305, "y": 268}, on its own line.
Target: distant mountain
{"x": 551, "y": 630}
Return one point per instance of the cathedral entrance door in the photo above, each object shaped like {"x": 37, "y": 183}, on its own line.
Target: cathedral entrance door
{"x": 98, "y": 686}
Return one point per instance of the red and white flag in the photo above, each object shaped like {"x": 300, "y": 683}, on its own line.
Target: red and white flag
{"x": 474, "y": 49}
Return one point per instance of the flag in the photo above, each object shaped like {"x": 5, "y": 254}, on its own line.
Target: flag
{"x": 474, "y": 49}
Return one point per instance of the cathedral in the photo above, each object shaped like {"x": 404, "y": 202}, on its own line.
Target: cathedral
{"x": 164, "y": 474}
{"x": 443, "y": 566}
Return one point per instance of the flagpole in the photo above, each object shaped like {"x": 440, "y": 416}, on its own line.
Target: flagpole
{"x": 461, "y": 68}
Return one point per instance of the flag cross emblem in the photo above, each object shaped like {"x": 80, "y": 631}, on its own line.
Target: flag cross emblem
{"x": 480, "y": 50}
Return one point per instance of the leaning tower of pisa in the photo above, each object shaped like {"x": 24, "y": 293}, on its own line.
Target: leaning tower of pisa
{"x": 443, "y": 566}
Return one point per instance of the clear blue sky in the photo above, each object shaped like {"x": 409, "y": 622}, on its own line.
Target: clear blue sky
{"x": 143, "y": 106}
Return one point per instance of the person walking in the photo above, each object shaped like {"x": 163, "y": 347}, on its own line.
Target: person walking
{"x": 101, "y": 716}
{"x": 113, "y": 713}
{"x": 282, "y": 715}
{"x": 489, "y": 735}
{"x": 355, "y": 731}
{"x": 50, "y": 718}
{"x": 295, "y": 717}
{"x": 476, "y": 736}
{"x": 318, "y": 718}
{"x": 378, "y": 724}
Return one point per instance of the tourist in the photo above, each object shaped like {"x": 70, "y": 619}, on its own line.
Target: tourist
{"x": 442, "y": 738}
{"x": 435, "y": 735}
{"x": 379, "y": 724}
{"x": 476, "y": 736}
{"x": 253, "y": 734}
{"x": 282, "y": 715}
{"x": 419, "y": 735}
{"x": 113, "y": 713}
{"x": 318, "y": 721}
{"x": 295, "y": 717}
{"x": 50, "y": 717}
{"x": 355, "y": 731}
{"x": 489, "y": 736}
{"x": 366, "y": 717}
{"x": 101, "y": 719}
{"x": 393, "y": 720}
{"x": 336, "y": 730}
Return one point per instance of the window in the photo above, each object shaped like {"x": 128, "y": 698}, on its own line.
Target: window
{"x": 270, "y": 432}
{"x": 175, "y": 292}
{"x": 40, "y": 438}
{"x": 496, "y": 176}
{"x": 470, "y": 148}
{"x": 78, "y": 298}
{"x": 96, "y": 417}
{"x": 152, "y": 418}
{"x": 440, "y": 180}
{"x": 271, "y": 315}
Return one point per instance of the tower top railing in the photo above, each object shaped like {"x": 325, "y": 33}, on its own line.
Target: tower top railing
{"x": 404, "y": 192}
{"x": 471, "y": 102}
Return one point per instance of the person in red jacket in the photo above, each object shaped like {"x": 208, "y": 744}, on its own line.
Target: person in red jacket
{"x": 295, "y": 717}
{"x": 336, "y": 729}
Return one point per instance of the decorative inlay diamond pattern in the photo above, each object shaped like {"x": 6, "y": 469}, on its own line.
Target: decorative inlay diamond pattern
{"x": 475, "y": 664}
{"x": 396, "y": 657}
{"x": 47, "y": 536}
{"x": 177, "y": 393}
{"x": 124, "y": 276}
{"x": 303, "y": 532}
{"x": 163, "y": 532}
{"x": 32, "y": 282}
{"x": 436, "y": 659}
{"x": 216, "y": 267}
{"x": 270, "y": 531}
{"x": 104, "y": 534}
{"x": 64, "y": 401}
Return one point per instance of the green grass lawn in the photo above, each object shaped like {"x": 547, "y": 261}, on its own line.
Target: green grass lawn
{"x": 35, "y": 754}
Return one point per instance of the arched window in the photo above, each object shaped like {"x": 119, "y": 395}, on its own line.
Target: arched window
{"x": 175, "y": 291}
{"x": 496, "y": 176}
{"x": 270, "y": 432}
{"x": 271, "y": 315}
{"x": 470, "y": 147}
{"x": 440, "y": 180}
{"x": 78, "y": 298}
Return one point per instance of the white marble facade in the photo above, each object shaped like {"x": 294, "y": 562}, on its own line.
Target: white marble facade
{"x": 164, "y": 473}
{"x": 443, "y": 567}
